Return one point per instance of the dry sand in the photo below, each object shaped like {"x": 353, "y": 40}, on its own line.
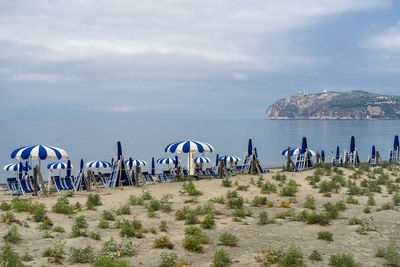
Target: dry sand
{"x": 251, "y": 237}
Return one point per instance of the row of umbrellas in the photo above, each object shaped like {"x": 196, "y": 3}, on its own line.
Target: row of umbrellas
{"x": 40, "y": 152}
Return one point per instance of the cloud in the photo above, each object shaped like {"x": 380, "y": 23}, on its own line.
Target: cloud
{"x": 39, "y": 77}
{"x": 388, "y": 41}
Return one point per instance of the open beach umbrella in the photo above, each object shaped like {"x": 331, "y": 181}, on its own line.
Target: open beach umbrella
{"x": 166, "y": 161}
{"x": 189, "y": 147}
{"x": 97, "y": 164}
{"x": 15, "y": 167}
{"x": 396, "y": 143}
{"x": 136, "y": 162}
{"x": 352, "y": 144}
{"x": 201, "y": 160}
{"x": 57, "y": 166}
{"x": 250, "y": 148}
{"x": 293, "y": 151}
{"x": 153, "y": 166}
{"x": 232, "y": 159}
{"x": 323, "y": 156}
{"x": 39, "y": 152}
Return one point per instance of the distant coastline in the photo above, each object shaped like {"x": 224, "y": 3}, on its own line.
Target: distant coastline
{"x": 353, "y": 105}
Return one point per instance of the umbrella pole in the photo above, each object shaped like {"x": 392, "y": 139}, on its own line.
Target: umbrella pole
{"x": 190, "y": 163}
{"x": 49, "y": 181}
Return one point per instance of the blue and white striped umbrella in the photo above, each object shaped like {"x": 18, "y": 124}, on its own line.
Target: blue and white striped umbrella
{"x": 136, "y": 162}
{"x": 15, "y": 167}
{"x": 98, "y": 164}
{"x": 201, "y": 160}
{"x": 166, "y": 161}
{"x": 189, "y": 146}
{"x": 297, "y": 150}
{"x": 58, "y": 166}
{"x": 230, "y": 159}
{"x": 39, "y": 152}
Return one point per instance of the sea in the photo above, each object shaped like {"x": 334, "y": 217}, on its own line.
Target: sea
{"x": 144, "y": 139}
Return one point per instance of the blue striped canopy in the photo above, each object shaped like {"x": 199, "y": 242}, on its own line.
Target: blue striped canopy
{"x": 136, "y": 162}
{"x": 39, "y": 152}
{"x": 98, "y": 164}
{"x": 15, "y": 167}
{"x": 201, "y": 160}
{"x": 166, "y": 161}
{"x": 58, "y": 166}
{"x": 189, "y": 146}
{"x": 298, "y": 150}
{"x": 230, "y": 158}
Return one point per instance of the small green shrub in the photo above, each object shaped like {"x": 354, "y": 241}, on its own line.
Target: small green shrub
{"x": 163, "y": 242}
{"x": 9, "y": 258}
{"x": 371, "y": 201}
{"x": 390, "y": 253}
{"x": 226, "y": 183}
{"x": 325, "y": 235}
{"x": 12, "y": 235}
{"x": 153, "y": 205}
{"x": 47, "y": 224}
{"x": 81, "y": 255}
{"x": 208, "y": 222}
{"x": 93, "y": 200}
{"x": 310, "y": 202}
{"x": 4, "y": 206}
{"x": 146, "y": 195}
{"x": 20, "y": 205}
{"x": 191, "y": 217}
{"x": 58, "y": 229}
{"x": 194, "y": 239}
{"x": 108, "y": 215}
{"x": 95, "y": 235}
{"x": 104, "y": 261}
{"x": 8, "y": 217}
{"x": 113, "y": 249}
{"x": 79, "y": 227}
{"x": 136, "y": 200}
{"x": 242, "y": 187}
{"x": 131, "y": 228}
{"x": 124, "y": 209}
{"x": 228, "y": 239}
{"x": 396, "y": 199}
{"x": 26, "y": 257}
{"x": 235, "y": 202}
{"x": 354, "y": 220}
{"x": 279, "y": 177}
{"x": 315, "y": 256}
{"x": 56, "y": 253}
{"x": 263, "y": 218}
{"x": 163, "y": 226}
{"x": 289, "y": 190}
{"x": 171, "y": 260}
{"x": 268, "y": 188}
{"x": 292, "y": 257}
{"x": 103, "y": 224}
{"x": 340, "y": 260}
{"x": 191, "y": 189}
{"x": 259, "y": 201}
{"x": 62, "y": 206}
{"x": 221, "y": 259}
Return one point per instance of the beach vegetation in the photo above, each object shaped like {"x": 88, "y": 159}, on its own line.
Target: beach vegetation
{"x": 366, "y": 226}
{"x": 221, "y": 259}
{"x": 133, "y": 200}
{"x": 95, "y": 235}
{"x": 58, "y": 229}
{"x": 354, "y": 220}
{"x": 4, "y": 206}
{"x": 226, "y": 183}
{"x": 290, "y": 213}
{"x": 26, "y": 257}
{"x": 81, "y": 255}
{"x": 55, "y": 254}
{"x": 309, "y": 203}
{"x": 8, "y": 217}
{"x": 351, "y": 200}
{"x": 153, "y": 205}
{"x": 292, "y": 257}
{"x": 46, "y": 224}
{"x": 47, "y": 234}
{"x": 163, "y": 226}
{"x": 191, "y": 217}
{"x": 108, "y": 215}
{"x": 146, "y": 195}
{"x": 371, "y": 201}
{"x": 325, "y": 235}
{"x": 12, "y": 236}
{"x": 9, "y": 258}
{"x": 163, "y": 242}
{"x": 21, "y": 205}
{"x": 314, "y": 218}
{"x": 104, "y": 261}
{"x": 79, "y": 227}
{"x": 123, "y": 209}
{"x": 62, "y": 206}
{"x": 290, "y": 189}
{"x": 268, "y": 188}
{"x": 281, "y": 177}
{"x": 228, "y": 239}
{"x": 241, "y": 213}
{"x": 344, "y": 259}
{"x": 131, "y": 228}
{"x": 220, "y": 200}
{"x": 387, "y": 206}
{"x": 194, "y": 239}
{"x": 103, "y": 224}
{"x": 242, "y": 187}
{"x": 113, "y": 249}
{"x": 391, "y": 253}
{"x": 315, "y": 256}
{"x": 93, "y": 200}
{"x": 171, "y": 260}
{"x": 259, "y": 201}
{"x": 396, "y": 199}
{"x": 191, "y": 189}
{"x": 208, "y": 222}
{"x": 263, "y": 218}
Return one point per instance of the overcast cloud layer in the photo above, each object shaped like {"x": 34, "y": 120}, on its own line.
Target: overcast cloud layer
{"x": 189, "y": 59}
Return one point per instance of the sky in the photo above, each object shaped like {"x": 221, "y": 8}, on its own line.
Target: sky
{"x": 184, "y": 59}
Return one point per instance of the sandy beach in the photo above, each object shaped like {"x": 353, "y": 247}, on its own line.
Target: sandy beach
{"x": 252, "y": 237}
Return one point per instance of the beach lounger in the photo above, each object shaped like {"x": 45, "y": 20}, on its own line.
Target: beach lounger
{"x": 13, "y": 185}
{"x": 300, "y": 161}
{"x": 163, "y": 178}
{"x": 393, "y": 156}
{"x": 185, "y": 172}
{"x": 146, "y": 177}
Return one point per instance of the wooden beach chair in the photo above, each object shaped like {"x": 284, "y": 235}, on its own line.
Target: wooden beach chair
{"x": 13, "y": 186}
{"x": 300, "y": 162}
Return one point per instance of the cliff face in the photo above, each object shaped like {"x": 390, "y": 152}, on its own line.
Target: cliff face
{"x": 335, "y": 105}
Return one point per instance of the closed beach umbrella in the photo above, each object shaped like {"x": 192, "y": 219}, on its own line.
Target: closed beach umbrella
{"x": 176, "y": 161}
{"x": 250, "y": 148}
{"x": 189, "y": 147}
{"x": 304, "y": 145}
{"x": 81, "y": 165}
{"x": 119, "y": 148}
{"x": 232, "y": 159}
{"x": 217, "y": 160}
{"x": 396, "y": 143}
{"x": 373, "y": 152}
{"x": 153, "y": 166}
{"x": 69, "y": 168}
{"x": 337, "y": 152}
{"x": 15, "y": 167}
{"x": 323, "y": 156}
{"x": 201, "y": 160}
{"x": 352, "y": 144}
{"x": 255, "y": 152}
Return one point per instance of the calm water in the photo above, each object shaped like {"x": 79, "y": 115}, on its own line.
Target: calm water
{"x": 142, "y": 139}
